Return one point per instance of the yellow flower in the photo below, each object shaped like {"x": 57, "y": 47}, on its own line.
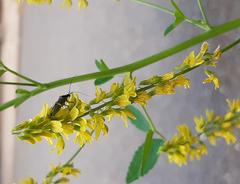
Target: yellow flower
{"x": 39, "y": 1}
{"x": 181, "y": 81}
{"x": 204, "y": 49}
{"x": 69, "y": 170}
{"x": 212, "y": 78}
{"x": 100, "y": 95}
{"x": 56, "y": 126}
{"x": 199, "y": 124}
{"x": 217, "y": 54}
{"x": 234, "y": 105}
{"x": 29, "y": 180}
{"x": 142, "y": 98}
{"x": 129, "y": 86}
{"x": 67, "y": 129}
{"x": 114, "y": 87}
{"x": 227, "y": 135}
{"x": 165, "y": 89}
{"x": 122, "y": 100}
{"x": 99, "y": 126}
{"x": 167, "y": 76}
{"x": 67, "y": 3}
{"x": 60, "y": 144}
{"x": 82, "y": 4}
{"x": 83, "y": 138}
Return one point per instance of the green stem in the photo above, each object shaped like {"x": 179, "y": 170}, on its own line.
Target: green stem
{"x": 156, "y": 6}
{"x": 17, "y": 83}
{"x": 74, "y": 155}
{"x": 151, "y": 124}
{"x": 204, "y": 15}
{"x": 170, "y": 12}
{"x": 231, "y": 45}
{"x": 23, "y": 77}
{"x": 214, "y": 32}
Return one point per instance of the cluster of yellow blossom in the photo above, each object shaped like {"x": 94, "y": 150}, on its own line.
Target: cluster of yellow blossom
{"x": 184, "y": 145}
{"x": 87, "y": 119}
{"x": 203, "y": 57}
{"x": 65, "y": 171}
{"x": 65, "y": 3}
{"x": 76, "y": 116}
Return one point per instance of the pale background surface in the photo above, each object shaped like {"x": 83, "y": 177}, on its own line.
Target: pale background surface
{"x": 58, "y": 43}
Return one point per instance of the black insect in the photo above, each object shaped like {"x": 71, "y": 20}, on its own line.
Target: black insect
{"x": 59, "y": 103}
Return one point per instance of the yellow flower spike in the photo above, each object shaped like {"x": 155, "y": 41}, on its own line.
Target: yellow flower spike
{"x": 56, "y": 126}
{"x": 122, "y": 100}
{"x": 29, "y": 180}
{"x": 142, "y": 98}
{"x": 212, "y": 78}
{"x": 82, "y": 4}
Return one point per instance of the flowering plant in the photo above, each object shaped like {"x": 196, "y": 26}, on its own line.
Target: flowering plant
{"x": 87, "y": 121}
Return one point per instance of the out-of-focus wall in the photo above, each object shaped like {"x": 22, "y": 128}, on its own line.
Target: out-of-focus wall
{"x": 9, "y": 39}
{"x": 57, "y": 43}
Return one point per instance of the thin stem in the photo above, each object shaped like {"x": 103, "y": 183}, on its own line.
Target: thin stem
{"x": 17, "y": 83}
{"x": 74, "y": 155}
{"x": 214, "y": 32}
{"x": 170, "y": 12}
{"x": 151, "y": 124}
{"x": 23, "y": 77}
{"x": 156, "y": 6}
{"x": 231, "y": 45}
{"x": 204, "y": 15}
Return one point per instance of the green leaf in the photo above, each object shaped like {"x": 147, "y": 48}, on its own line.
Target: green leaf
{"x": 20, "y": 99}
{"x": 2, "y": 68}
{"x": 146, "y": 149}
{"x": 135, "y": 169}
{"x": 179, "y": 18}
{"x": 140, "y": 122}
{"x": 101, "y": 65}
{"x": 22, "y": 91}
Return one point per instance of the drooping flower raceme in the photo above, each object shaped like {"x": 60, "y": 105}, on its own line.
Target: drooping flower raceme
{"x": 185, "y": 145}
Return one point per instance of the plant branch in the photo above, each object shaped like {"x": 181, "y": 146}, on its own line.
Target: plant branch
{"x": 204, "y": 26}
{"x": 214, "y": 32}
{"x": 200, "y": 4}
{"x": 151, "y": 124}
{"x": 17, "y": 83}
{"x": 23, "y": 77}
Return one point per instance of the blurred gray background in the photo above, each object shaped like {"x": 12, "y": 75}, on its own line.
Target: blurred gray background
{"x": 58, "y": 43}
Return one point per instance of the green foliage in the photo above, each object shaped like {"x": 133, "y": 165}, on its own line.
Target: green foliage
{"x": 147, "y": 153}
{"x": 101, "y": 65}
{"x": 179, "y": 18}
{"x": 140, "y": 122}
